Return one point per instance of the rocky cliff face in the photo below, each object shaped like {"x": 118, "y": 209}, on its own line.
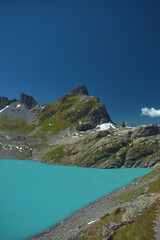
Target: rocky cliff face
{"x": 81, "y": 90}
{"x": 112, "y": 148}
{"x": 29, "y": 101}
{"x": 5, "y": 102}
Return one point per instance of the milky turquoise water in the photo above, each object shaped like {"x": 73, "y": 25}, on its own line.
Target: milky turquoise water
{"x": 35, "y": 196}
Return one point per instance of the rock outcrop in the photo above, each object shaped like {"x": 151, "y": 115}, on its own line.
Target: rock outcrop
{"x": 123, "y": 124}
{"x": 5, "y": 102}
{"x": 112, "y": 148}
{"x": 76, "y": 109}
{"x": 29, "y": 101}
{"x": 146, "y": 130}
{"x": 81, "y": 90}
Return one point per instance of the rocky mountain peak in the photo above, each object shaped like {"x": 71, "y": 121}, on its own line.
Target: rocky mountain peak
{"x": 80, "y": 90}
{"x": 29, "y": 101}
{"x": 4, "y": 101}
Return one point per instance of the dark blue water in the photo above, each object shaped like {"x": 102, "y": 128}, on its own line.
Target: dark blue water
{"x": 35, "y": 196}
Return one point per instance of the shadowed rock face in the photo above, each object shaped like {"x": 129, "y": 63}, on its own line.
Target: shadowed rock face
{"x": 3, "y": 99}
{"x": 81, "y": 90}
{"x": 29, "y": 101}
{"x": 5, "y": 102}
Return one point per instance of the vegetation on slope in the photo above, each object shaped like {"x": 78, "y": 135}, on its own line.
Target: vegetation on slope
{"x": 134, "y": 218}
{"x": 17, "y": 125}
{"x": 107, "y": 149}
{"x": 76, "y": 110}
{"x": 79, "y": 111}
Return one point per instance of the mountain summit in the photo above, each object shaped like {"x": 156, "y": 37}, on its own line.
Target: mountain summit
{"x": 75, "y": 110}
{"x": 81, "y": 90}
{"x": 29, "y": 101}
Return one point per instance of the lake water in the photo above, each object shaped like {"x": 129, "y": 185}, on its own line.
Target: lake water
{"x": 35, "y": 196}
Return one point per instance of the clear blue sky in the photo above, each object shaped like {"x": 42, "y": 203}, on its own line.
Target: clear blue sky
{"x": 48, "y": 48}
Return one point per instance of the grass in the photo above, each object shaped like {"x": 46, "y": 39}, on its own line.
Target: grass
{"x": 154, "y": 173}
{"x": 118, "y": 210}
{"x": 154, "y": 187}
{"x": 66, "y": 112}
{"x": 139, "y": 151}
{"x": 18, "y": 125}
{"x": 142, "y": 228}
{"x": 56, "y": 155}
{"x": 96, "y": 230}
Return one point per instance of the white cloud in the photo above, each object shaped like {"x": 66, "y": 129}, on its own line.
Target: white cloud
{"x": 150, "y": 112}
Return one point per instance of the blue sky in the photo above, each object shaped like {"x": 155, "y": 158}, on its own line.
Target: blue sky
{"x": 48, "y": 48}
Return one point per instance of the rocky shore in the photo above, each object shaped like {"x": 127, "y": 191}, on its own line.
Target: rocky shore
{"x": 110, "y": 213}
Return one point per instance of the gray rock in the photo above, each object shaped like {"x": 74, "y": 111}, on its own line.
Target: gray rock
{"x": 5, "y": 102}
{"x": 80, "y": 90}
{"x": 29, "y": 101}
{"x": 146, "y": 130}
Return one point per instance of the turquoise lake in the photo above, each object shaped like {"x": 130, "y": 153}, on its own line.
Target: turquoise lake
{"x": 35, "y": 196}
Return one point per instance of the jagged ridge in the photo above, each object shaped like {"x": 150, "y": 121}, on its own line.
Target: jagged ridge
{"x": 76, "y": 109}
{"x": 56, "y": 130}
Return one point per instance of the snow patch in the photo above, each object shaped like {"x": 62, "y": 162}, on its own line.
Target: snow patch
{"x": 93, "y": 221}
{"x": 104, "y": 126}
{"x": 4, "y": 109}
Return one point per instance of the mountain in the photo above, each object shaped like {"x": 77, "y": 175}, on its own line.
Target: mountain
{"x": 77, "y": 109}
{"x": 75, "y": 130}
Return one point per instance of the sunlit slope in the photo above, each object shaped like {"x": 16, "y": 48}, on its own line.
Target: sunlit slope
{"x": 76, "y": 110}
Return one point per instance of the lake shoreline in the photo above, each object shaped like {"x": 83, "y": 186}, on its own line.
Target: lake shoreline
{"x": 74, "y": 224}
